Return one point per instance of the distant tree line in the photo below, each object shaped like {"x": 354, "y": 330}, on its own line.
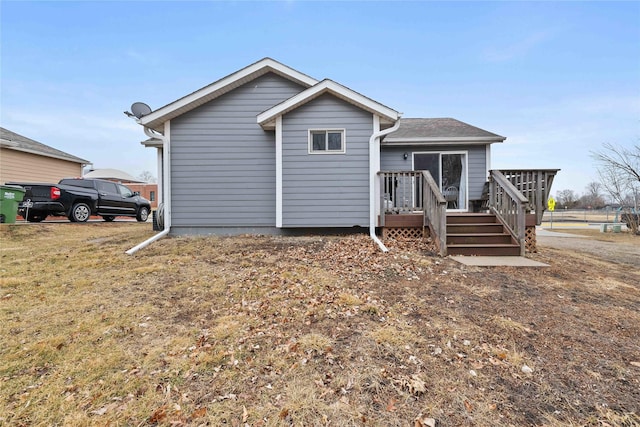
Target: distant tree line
{"x": 593, "y": 198}
{"x": 619, "y": 187}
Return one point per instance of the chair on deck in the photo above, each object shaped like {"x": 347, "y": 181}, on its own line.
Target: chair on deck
{"x": 450, "y": 194}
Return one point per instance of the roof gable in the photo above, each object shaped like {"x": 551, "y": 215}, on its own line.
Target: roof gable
{"x": 218, "y": 88}
{"x": 439, "y": 130}
{"x": 267, "y": 118}
{"x": 14, "y": 141}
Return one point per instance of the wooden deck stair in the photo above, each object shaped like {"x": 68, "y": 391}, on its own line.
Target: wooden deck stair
{"x": 478, "y": 234}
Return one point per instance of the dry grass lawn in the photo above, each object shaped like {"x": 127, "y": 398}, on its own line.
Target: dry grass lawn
{"x": 307, "y": 331}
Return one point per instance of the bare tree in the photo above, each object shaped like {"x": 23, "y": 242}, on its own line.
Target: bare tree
{"x": 147, "y": 176}
{"x": 593, "y": 196}
{"x": 619, "y": 170}
{"x": 566, "y": 198}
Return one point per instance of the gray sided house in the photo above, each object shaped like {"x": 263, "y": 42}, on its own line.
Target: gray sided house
{"x": 269, "y": 149}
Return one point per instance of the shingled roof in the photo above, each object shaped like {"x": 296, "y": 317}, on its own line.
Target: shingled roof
{"x": 439, "y": 130}
{"x": 14, "y": 141}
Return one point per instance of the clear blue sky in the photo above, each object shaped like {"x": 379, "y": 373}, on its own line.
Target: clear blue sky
{"x": 558, "y": 79}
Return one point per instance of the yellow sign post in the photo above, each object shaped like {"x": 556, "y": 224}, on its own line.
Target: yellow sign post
{"x": 551, "y": 204}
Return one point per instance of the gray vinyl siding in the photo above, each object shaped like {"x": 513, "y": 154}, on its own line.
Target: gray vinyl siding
{"x": 392, "y": 159}
{"x": 326, "y": 190}
{"x": 223, "y": 162}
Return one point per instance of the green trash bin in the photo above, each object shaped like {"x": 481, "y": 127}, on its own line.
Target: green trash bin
{"x": 10, "y": 196}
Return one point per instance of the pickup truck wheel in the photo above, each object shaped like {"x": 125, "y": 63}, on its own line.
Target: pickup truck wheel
{"x": 108, "y": 218}
{"x": 143, "y": 214}
{"x": 80, "y": 213}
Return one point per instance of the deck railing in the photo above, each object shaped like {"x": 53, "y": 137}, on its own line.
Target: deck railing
{"x": 400, "y": 192}
{"x": 510, "y": 205}
{"x": 404, "y": 192}
{"x": 512, "y": 193}
{"x": 535, "y": 185}
{"x": 435, "y": 212}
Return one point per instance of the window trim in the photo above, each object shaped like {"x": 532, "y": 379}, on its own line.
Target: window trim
{"x": 343, "y": 133}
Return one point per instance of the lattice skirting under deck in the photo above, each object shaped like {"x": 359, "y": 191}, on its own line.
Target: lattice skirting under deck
{"x": 530, "y": 244}
{"x": 404, "y": 233}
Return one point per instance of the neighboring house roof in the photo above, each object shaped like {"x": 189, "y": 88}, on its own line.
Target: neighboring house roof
{"x": 218, "y": 88}
{"x": 439, "y": 130}
{"x": 267, "y": 118}
{"x": 111, "y": 174}
{"x": 14, "y": 141}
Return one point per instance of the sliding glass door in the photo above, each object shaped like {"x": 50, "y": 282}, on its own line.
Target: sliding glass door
{"x": 449, "y": 170}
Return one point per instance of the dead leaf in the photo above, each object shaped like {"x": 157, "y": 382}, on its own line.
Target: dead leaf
{"x": 284, "y": 414}
{"x": 414, "y": 384}
{"x": 245, "y": 414}
{"x": 468, "y": 406}
{"x": 159, "y": 415}
{"x": 391, "y": 406}
{"x": 636, "y": 364}
{"x": 477, "y": 365}
{"x": 104, "y": 409}
{"x": 100, "y": 411}
{"x": 199, "y": 413}
{"x": 424, "y": 421}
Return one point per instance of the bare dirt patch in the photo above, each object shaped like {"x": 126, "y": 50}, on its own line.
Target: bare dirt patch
{"x": 307, "y": 331}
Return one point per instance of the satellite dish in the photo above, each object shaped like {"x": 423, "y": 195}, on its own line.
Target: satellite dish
{"x": 140, "y": 109}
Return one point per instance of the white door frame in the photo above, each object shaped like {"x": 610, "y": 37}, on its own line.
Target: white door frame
{"x": 439, "y": 178}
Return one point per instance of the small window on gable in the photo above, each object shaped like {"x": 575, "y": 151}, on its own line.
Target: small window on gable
{"x": 326, "y": 141}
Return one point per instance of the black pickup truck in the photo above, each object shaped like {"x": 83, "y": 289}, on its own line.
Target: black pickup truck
{"x": 78, "y": 199}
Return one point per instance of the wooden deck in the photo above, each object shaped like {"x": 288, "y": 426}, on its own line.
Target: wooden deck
{"x": 412, "y": 205}
{"x": 467, "y": 233}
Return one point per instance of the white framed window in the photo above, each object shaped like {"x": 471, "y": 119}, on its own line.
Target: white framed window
{"x": 327, "y": 141}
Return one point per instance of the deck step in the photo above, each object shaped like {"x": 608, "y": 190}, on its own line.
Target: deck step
{"x": 471, "y": 218}
{"x": 474, "y": 228}
{"x": 484, "y": 249}
{"x": 479, "y": 234}
{"x": 478, "y": 238}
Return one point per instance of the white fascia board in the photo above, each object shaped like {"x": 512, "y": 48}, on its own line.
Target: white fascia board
{"x": 438, "y": 140}
{"x": 223, "y": 86}
{"x": 265, "y": 118}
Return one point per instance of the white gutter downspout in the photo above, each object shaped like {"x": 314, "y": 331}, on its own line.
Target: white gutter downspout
{"x": 166, "y": 185}
{"x": 374, "y": 164}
